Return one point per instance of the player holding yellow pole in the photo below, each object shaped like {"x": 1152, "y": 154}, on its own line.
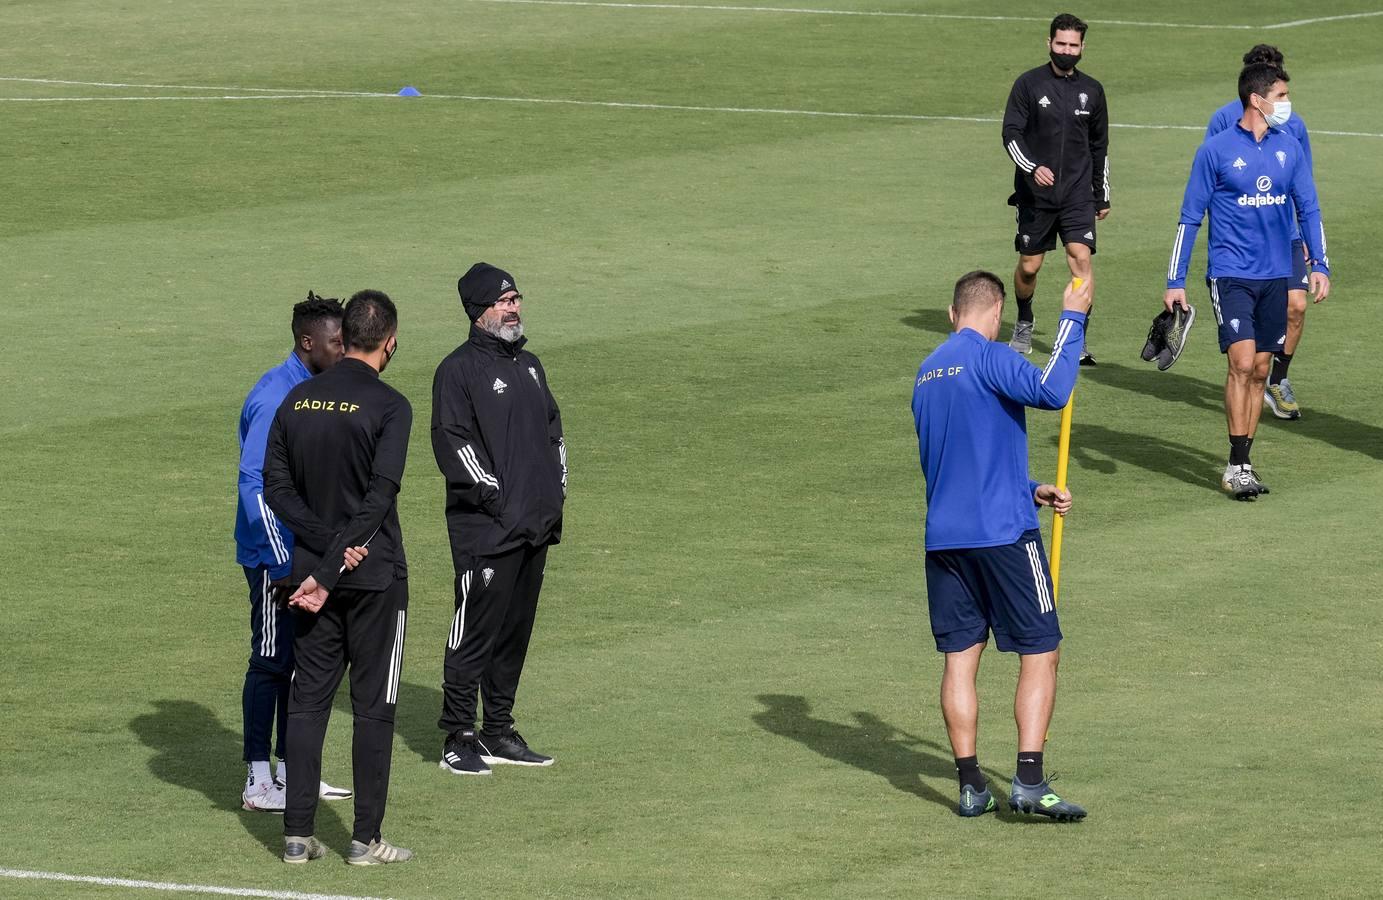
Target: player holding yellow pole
{"x": 1063, "y": 456}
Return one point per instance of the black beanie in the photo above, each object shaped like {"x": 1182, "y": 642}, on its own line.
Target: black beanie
{"x": 481, "y": 286}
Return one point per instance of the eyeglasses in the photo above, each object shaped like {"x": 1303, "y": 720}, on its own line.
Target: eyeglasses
{"x": 509, "y": 301}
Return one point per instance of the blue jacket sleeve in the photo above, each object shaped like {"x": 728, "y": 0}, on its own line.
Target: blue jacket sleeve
{"x": 1218, "y": 122}
{"x": 1011, "y": 376}
{"x": 1305, "y": 141}
{"x": 1199, "y": 188}
{"x": 1308, "y": 209}
{"x": 255, "y": 420}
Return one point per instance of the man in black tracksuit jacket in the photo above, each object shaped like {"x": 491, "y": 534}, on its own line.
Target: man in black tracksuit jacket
{"x": 332, "y": 472}
{"x": 1056, "y": 131}
{"x": 497, "y": 437}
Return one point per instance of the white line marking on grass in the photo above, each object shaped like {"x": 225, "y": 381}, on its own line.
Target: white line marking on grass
{"x": 169, "y": 886}
{"x": 1362, "y": 15}
{"x": 316, "y": 94}
{"x": 183, "y": 97}
{"x": 197, "y": 87}
{"x": 813, "y": 11}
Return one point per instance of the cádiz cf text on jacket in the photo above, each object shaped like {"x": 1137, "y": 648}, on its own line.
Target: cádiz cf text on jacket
{"x": 344, "y": 497}
{"x": 497, "y": 437}
{"x": 1060, "y": 122}
{"x": 972, "y": 433}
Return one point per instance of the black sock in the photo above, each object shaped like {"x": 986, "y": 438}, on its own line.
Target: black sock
{"x": 1024, "y": 309}
{"x": 968, "y": 768}
{"x": 1030, "y": 767}
{"x": 1280, "y": 363}
{"x": 1238, "y": 450}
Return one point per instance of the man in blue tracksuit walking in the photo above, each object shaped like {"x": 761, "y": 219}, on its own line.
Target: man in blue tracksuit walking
{"x": 986, "y": 569}
{"x": 1249, "y": 179}
{"x": 1279, "y": 396}
{"x": 265, "y": 549}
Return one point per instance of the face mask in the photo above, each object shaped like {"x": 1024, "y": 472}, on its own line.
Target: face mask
{"x": 1282, "y": 111}
{"x": 1064, "y": 61}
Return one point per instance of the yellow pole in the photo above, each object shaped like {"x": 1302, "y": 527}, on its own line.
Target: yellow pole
{"x": 1063, "y": 457}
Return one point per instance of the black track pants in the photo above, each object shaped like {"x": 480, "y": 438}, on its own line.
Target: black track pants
{"x": 365, "y": 631}
{"x": 496, "y": 602}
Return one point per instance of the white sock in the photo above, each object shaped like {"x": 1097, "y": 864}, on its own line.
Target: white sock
{"x": 259, "y": 772}
{"x": 283, "y": 771}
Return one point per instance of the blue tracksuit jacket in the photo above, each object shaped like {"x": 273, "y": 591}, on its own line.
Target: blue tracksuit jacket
{"x": 1245, "y": 185}
{"x": 1227, "y": 116}
{"x": 972, "y": 433}
{"x": 259, "y": 538}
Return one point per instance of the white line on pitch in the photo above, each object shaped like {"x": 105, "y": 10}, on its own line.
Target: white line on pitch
{"x": 183, "y": 97}
{"x": 812, "y": 11}
{"x": 196, "y": 87}
{"x": 313, "y": 93}
{"x": 170, "y": 886}
{"x": 1362, "y": 15}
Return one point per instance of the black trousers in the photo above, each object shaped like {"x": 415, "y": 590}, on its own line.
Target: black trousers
{"x": 496, "y": 603}
{"x": 362, "y": 630}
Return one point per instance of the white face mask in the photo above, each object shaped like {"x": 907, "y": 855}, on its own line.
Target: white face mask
{"x": 1282, "y": 111}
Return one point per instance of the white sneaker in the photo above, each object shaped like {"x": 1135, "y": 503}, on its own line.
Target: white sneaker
{"x": 265, "y": 797}
{"x": 325, "y": 791}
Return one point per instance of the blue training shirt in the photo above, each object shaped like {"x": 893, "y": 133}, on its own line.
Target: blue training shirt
{"x": 259, "y": 538}
{"x": 1245, "y": 185}
{"x": 1227, "y": 116}
{"x": 972, "y": 432}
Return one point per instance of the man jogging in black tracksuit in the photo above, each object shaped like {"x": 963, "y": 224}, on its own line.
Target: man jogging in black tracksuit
{"x": 332, "y": 473}
{"x": 1056, "y": 131}
{"x": 497, "y": 437}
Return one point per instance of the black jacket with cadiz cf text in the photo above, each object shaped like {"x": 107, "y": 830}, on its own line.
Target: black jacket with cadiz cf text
{"x": 1061, "y": 123}
{"x": 332, "y": 471}
{"x": 497, "y": 437}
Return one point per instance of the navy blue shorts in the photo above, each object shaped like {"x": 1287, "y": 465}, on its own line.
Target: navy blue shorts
{"x": 1005, "y": 589}
{"x": 1301, "y": 273}
{"x": 1250, "y": 309}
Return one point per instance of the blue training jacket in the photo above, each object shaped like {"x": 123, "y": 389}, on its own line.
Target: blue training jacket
{"x": 259, "y": 538}
{"x": 1227, "y": 116}
{"x": 972, "y": 432}
{"x": 1245, "y": 185}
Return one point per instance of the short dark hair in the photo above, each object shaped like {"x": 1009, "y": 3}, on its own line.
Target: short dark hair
{"x": 1067, "y": 22}
{"x": 976, "y": 289}
{"x": 1259, "y": 78}
{"x": 1263, "y": 53}
{"x": 309, "y": 315}
{"x": 370, "y": 319}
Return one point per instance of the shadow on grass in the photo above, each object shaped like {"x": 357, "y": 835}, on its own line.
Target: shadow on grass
{"x": 193, "y": 750}
{"x": 1099, "y": 449}
{"x": 871, "y": 745}
{"x": 415, "y": 720}
{"x": 1315, "y": 424}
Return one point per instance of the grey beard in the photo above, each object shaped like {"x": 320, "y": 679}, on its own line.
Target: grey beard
{"x": 509, "y": 333}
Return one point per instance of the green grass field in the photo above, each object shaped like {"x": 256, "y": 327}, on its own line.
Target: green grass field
{"x": 732, "y": 660}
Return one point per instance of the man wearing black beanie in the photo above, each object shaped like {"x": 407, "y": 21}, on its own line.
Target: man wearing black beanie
{"x": 497, "y": 437}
